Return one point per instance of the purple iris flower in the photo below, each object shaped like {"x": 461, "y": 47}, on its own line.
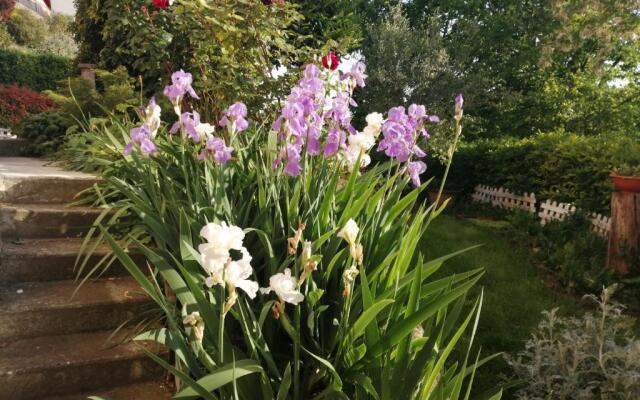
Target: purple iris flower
{"x": 335, "y": 139}
{"x": 235, "y": 118}
{"x": 415, "y": 169}
{"x": 357, "y": 74}
{"x": 292, "y": 167}
{"x": 217, "y": 149}
{"x": 313, "y": 141}
{"x": 180, "y": 86}
{"x": 189, "y": 121}
{"x": 142, "y": 138}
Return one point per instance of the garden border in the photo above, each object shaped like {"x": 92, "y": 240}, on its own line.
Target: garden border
{"x": 548, "y": 210}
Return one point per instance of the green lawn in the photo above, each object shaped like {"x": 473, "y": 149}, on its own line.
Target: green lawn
{"x": 514, "y": 294}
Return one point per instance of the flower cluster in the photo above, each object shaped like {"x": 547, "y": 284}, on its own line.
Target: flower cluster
{"x": 221, "y": 268}
{"x": 189, "y": 124}
{"x": 320, "y": 102}
{"x": 401, "y": 132}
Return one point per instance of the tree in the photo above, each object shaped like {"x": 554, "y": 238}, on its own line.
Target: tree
{"x": 508, "y": 56}
{"x": 331, "y": 24}
{"x": 404, "y": 63}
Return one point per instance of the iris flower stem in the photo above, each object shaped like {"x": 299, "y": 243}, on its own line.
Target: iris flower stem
{"x": 296, "y": 356}
{"x": 221, "y": 327}
{"x": 452, "y": 150}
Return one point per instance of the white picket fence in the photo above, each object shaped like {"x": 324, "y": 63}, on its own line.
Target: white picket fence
{"x": 505, "y": 199}
{"x": 549, "y": 210}
{"x": 554, "y": 211}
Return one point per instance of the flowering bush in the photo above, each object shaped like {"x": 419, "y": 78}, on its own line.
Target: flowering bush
{"x": 292, "y": 267}
{"x": 17, "y": 103}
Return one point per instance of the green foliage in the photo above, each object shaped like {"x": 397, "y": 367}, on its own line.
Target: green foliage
{"x": 589, "y": 104}
{"x": 558, "y": 166}
{"x": 593, "y": 357}
{"x": 404, "y": 63}
{"x": 574, "y": 252}
{"x": 523, "y": 66}
{"x": 59, "y": 39}
{"x": 332, "y": 23}
{"x": 6, "y": 40}
{"x": 25, "y": 28}
{"x": 44, "y": 132}
{"x": 37, "y": 71}
{"x": 233, "y": 45}
{"x": 114, "y": 92}
{"x": 511, "y": 273}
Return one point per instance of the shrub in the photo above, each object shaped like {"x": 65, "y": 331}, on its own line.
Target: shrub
{"x": 26, "y": 29}
{"x": 6, "y": 40}
{"x": 114, "y": 92}
{"x": 593, "y": 357}
{"x": 59, "y": 39}
{"x": 234, "y": 45}
{"x": 17, "y": 103}
{"x": 356, "y": 313}
{"x": 37, "y": 71}
{"x": 558, "y": 166}
{"x": 45, "y": 132}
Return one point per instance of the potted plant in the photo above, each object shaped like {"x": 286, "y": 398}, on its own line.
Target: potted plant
{"x": 626, "y": 178}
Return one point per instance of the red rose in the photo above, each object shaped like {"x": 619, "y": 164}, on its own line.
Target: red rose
{"x": 331, "y": 61}
{"x": 162, "y": 3}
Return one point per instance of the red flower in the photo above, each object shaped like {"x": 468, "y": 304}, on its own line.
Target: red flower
{"x": 271, "y": 2}
{"x": 162, "y": 3}
{"x": 331, "y": 61}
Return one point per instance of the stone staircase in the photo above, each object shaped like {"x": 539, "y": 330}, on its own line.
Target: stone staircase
{"x": 53, "y": 345}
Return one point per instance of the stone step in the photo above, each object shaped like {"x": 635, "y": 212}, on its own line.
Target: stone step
{"x": 62, "y": 365}
{"x": 30, "y": 180}
{"x": 10, "y": 147}
{"x": 139, "y": 391}
{"x": 40, "y": 260}
{"x": 47, "y": 308}
{"x": 45, "y": 220}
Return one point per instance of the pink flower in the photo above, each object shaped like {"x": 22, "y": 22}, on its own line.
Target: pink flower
{"x": 331, "y": 61}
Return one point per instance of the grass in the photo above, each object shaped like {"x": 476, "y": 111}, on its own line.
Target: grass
{"x": 514, "y": 293}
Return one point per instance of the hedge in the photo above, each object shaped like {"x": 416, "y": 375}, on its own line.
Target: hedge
{"x": 558, "y": 166}
{"x": 37, "y": 71}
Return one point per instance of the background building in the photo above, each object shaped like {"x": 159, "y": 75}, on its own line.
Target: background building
{"x": 41, "y": 8}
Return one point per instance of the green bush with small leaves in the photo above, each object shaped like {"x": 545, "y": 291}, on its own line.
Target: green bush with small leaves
{"x": 25, "y": 28}
{"x": 45, "y": 132}
{"x": 37, "y": 71}
{"x": 559, "y": 166}
{"x": 114, "y": 92}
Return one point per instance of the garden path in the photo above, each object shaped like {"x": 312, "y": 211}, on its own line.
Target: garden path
{"x": 54, "y": 345}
